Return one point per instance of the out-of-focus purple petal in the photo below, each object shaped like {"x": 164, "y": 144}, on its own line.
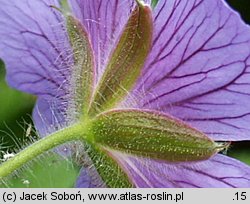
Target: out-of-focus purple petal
{"x": 89, "y": 178}
{"x": 84, "y": 181}
{"x": 219, "y": 171}
{"x": 48, "y": 116}
{"x": 198, "y": 69}
{"x": 104, "y": 20}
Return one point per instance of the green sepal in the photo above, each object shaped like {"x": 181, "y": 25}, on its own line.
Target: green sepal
{"x": 126, "y": 61}
{"x": 109, "y": 171}
{"x": 152, "y": 135}
{"x": 82, "y": 73}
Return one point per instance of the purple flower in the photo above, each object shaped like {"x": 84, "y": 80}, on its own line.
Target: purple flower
{"x": 196, "y": 70}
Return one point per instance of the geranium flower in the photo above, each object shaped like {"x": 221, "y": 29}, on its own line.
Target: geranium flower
{"x": 152, "y": 92}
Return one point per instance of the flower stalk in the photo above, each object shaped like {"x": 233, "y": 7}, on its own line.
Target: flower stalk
{"x": 72, "y": 133}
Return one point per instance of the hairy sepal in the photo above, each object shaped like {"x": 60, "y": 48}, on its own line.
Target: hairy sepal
{"x": 152, "y": 135}
{"x": 110, "y": 172}
{"x": 126, "y": 61}
{"x": 82, "y": 77}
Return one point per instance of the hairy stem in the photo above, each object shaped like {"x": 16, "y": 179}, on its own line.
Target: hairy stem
{"x": 72, "y": 133}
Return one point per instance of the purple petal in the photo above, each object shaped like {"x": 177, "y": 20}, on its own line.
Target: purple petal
{"x": 47, "y": 116}
{"x": 198, "y": 69}
{"x": 104, "y": 20}
{"x": 89, "y": 178}
{"x": 219, "y": 171}
{"x": 36, "y": 51}
{"x": 34, "y": 47}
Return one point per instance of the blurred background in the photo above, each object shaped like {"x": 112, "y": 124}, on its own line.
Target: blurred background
{"x": 47, "y": 171}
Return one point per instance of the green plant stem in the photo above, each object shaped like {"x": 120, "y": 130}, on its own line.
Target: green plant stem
{"x": 72, "y": 133}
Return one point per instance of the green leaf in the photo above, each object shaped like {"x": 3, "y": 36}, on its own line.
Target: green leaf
{"x": 152, "y": 135}
{"x": 126, "y": 61}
